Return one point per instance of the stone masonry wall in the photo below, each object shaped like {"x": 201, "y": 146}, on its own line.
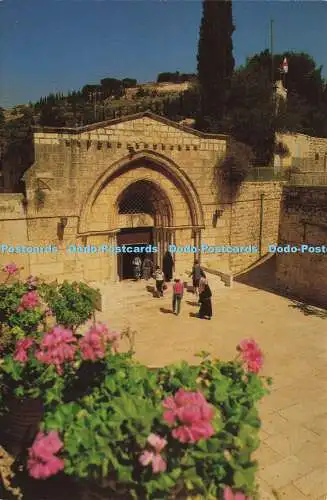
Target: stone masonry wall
{"x": 239, "y": 225}
{"x": 13, "y": 231}
{"x": 68, "y": 164}
{"x": 82, "y": 173}
{"x": 311, "y": 150}
{"x": 304, "y": 221}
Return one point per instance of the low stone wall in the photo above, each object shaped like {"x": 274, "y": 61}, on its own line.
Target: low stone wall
{"x": 309, "y": 178}
{"x": 304, "y": 222}
{"x": 304, "y": 147}
{"x": 13, "y": 231}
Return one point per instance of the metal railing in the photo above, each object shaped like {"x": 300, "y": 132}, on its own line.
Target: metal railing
{"x": 265, "y": 174}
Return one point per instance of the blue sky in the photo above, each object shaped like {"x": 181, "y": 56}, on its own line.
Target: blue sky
{"x": 57, "y": 45}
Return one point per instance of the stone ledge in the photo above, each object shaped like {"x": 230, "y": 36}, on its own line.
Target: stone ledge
{"x": 226, "y": 277}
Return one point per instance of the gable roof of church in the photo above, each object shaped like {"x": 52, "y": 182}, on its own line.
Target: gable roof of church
{"x": 137, "y": 116}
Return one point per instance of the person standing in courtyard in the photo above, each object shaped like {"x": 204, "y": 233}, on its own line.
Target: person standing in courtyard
{"x": 205, "y": 299}
{"x": 147, "y": 268}
{"x": 168, "y": 266}
{"x": 178, "y": 292}
{"x": 137, "y": 264}
{"x": 197, "y": 274}
{"x": 159, "y": 277}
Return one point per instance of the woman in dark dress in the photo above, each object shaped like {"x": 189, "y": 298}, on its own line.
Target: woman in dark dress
{"x": 168, "y": 266}
{"x": 205, "y": 300}
{"x": 147, "y": 268}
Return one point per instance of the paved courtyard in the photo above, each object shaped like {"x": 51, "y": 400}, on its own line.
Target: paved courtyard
{"x": 293, "y": 452}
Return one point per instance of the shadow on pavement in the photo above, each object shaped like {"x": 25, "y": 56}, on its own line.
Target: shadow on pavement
{"x": 194, "y": 315}
{"x": 192, "y": 303}
{"x": 165, "y": 310}
{"x": 309, "y": 310}
{"x": 262, "y": 276}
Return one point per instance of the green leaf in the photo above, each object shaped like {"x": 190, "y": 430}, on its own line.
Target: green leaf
{"x": 19, "y": 391}
{"x": 190, "y": 473}
{"x": 105, "y": 467}
{"x": 125, "y": 474}
{"x": 214, "y": 445}
{"x": 244, "y": 479}
{"x": 202, "y": 445}
{"x": 175, "y": 474}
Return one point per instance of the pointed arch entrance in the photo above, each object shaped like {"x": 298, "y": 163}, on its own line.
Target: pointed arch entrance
{"x": 143, "y": 209}
{"x": 142, "y": 199}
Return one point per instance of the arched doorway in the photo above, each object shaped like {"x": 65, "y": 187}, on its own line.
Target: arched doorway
{"x": 144, "y": 212}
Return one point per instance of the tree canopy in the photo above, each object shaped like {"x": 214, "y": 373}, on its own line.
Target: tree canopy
{"x": 215, "y": 60}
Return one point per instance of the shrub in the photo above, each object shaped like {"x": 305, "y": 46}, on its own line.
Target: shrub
{"x": 39, "y": 197}
{"x": 168, "y": 433}
{"x": 237, "y": 163}
{"x": 30, "y": 306}
{"x": 71, "y": 303}
{"x": 281, "y": 149}
{"x": 46, "y": 365}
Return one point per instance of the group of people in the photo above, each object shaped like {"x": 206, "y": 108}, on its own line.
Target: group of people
{"x": 145, "y": 269}
{"x": 201, "y": 287}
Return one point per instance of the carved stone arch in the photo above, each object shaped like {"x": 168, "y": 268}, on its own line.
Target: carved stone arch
{"x": 154, "y": 161}
{"x": 153, "y": 200}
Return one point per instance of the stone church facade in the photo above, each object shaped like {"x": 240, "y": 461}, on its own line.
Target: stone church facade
{"x": 139, "y": 180}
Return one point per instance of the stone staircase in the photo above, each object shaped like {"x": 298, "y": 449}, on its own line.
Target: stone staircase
{"x": 128, "y": 297}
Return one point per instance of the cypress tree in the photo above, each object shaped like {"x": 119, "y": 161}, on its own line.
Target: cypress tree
{"x": 215, "y": 61}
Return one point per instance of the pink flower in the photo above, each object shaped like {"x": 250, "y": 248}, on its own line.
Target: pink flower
{"x": 154, "y": 458}
{"x": 252, "y": 355}
{"x": 22, "y": 347}
{"x": 157, "y": 442}
{"x": 192, "y": 411}
{"x": 10, "y": 269}
{"x": 193, "y": 433}
{"x": 94, "y": 343}
{"x": 29, "y": 300}
{"x": 42, "y": 462}
{"x": 229, "y": 495}
{"x": 57, "y": 347}
{"x": 158, "y": 464}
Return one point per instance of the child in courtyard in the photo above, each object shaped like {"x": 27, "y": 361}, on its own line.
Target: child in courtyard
{"x": 159, "y": 277}
{"x": 178, "y": 291}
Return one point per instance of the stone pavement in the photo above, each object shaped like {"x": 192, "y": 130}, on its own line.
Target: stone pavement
{"x": 293, "y": 452}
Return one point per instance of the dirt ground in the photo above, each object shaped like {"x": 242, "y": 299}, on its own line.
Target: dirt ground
{"x": 293, "y": 453}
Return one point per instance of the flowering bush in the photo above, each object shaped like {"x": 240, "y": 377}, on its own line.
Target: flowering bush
{"x": 10, "y": 269}
{"x": 169, "y": 433}
{"x": 47, "y": 365}
{"x": 72, "y": 303}
{"x": 31, "y": 305}
{"x": 42, "y": 462}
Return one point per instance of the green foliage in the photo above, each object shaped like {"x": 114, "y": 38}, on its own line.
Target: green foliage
{"x": 176, "y": 77}
{"x": 105, "y": 431}
{"x": 236, "y": 165}
{"x": 39, "y": 197}
{"x": 72, "y": 303}
{"x": 251, "y": 118}
{"x": 16, "y": 325}
{"x": 32, "y": 380}
{"x": 215, "y": 59}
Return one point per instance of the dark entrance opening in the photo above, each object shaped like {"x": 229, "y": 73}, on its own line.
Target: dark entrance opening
{"x": 136, "y": 238}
